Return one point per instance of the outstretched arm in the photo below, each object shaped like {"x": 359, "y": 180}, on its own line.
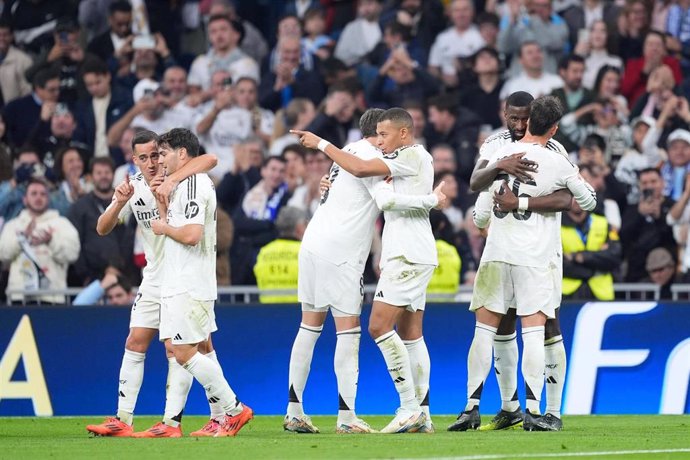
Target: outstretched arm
{"x": 108, "y": 220}
{"x": 350, "y": 163}
{"x": 389, "y": 200}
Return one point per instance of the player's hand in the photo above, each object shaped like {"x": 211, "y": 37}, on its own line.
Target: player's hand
{"x": 158, "y": 227}
{"x": 307, "y": 139}
{"x": 165, "y": 189}
{"x": 325, "y": 184}
{"x": 124, "y": 191}
{"x": 442, "y": 198}
{"x": 504, "y": 199}
{"x": 156, "y": 181}
{"x": 518, "y": 166}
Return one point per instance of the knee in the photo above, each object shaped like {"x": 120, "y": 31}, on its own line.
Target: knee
{"x": 137, "y": 343}
{"x": 552, "y": 328}
{"x": 410, "y": 332}
{"x": 376, "y": 330}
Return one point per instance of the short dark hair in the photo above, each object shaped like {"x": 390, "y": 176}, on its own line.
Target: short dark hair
{"x": 105, "y": 161}
{"x": 398, "y": 116}
{"x": 443, "y": 103}
{"x": 144, "y": 136}
{"x": 396, "y": 28}
{"x": 37, "y": 180}
{"x": 565, "y": 61}
{"x": 544, "y": 112}
{"x": 299, "y": 149}
{"x": 249, "y": 79}
{"x": 519, "y": 99}
{"x": 44, "y": 75}
{"x": 526, "y": 43}
{"x": 648, "y": 170}
{"x": 120, "y": 6}
{"x": 487, "y": 50}
{"x": 368, "y": 121}
{"x": 94, "y": 65}
{"x": 234, "y": 23}
{"x": 594, "y": 141}
{"x": 488, "y": 18}
{"x": 313, "y": 12}
{"x": 178, "y": 138}
{"x": 5, "y": 24}
{"x": 123, "y": 282}
{"x": 441, "y": 174}
{"x": 270, "y": 158}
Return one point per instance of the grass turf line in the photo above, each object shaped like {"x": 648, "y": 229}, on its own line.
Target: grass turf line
{"x": 27, "y": 438}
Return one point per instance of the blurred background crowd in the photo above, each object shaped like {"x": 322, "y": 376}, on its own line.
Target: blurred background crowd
{"x": 79, "y": 78}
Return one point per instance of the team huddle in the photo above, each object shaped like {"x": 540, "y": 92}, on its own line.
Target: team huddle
{"x": 525, "y": 178}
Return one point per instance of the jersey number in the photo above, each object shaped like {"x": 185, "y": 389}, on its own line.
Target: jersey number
{"x": 516, "y": 191}
{"x": 335, "y": 169}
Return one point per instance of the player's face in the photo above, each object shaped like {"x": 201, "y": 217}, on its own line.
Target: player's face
{"x": 516, "y": 121}
{"x": 169, "y": 159}
{"x": 36, "y": 198}
{"x": 389, "y": 136}
{"x": 145, "y": 157}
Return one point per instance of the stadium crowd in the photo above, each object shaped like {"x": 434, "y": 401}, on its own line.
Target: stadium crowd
{"x": 79, "y": 78}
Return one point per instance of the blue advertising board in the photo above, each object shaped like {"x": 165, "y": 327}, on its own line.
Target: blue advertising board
{"x": 623, "y": 358}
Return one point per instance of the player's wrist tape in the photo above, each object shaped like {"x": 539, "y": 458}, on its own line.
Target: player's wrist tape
{"x": 323, "y": 143}
{"x": 523, "y": 203}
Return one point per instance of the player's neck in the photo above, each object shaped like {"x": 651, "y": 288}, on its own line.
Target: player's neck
{"x": 531, "y": 139}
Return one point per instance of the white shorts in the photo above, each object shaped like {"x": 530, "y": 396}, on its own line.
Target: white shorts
{"x": 185, "y": 320}
{"x": 146, "y": 311}
{"x": 322, "y": 284}
{"x": 499, "y": 286}
{"x": 403, "y": 283}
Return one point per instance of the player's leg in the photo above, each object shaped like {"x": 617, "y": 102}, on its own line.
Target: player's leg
{"x": 533, "y": 364}
{"x": 554, "y": 372}
{"x": 410, "y": 329}
{"x": 346, "y": 366}
{"x": 216, "y": 410}
{"x": 506, "y": 367}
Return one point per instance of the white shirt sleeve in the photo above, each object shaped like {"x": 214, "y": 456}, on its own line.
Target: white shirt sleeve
{"x": 192, "y": 203}
{"x": 196, "y": 73}
{"x": 583, "y": 193}
{"x": 482, "y": 209}
{"x": 125, "y": 212}
{"x": 404, "y": 162}
{"x": 388, "y": 200}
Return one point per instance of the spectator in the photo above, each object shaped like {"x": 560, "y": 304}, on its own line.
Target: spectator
{"x": 336, "y": 116}
{"x": 39, "y": 245}
{"x": 534, "y": 78}
{"x": 678, "y": 28}
{"x": 445, "y": 281}
{"x": 22, "y": 114}
{"x": 299, "y": 8}
{"x": 661, "y": 270}
{"x": 295, "y": 156}
{"x": 456, "y": 126}
{"x": 224, "y": 125}
{"x": 245, "y": 174}
{"x": 246, "y": 97}
{"x": 488, "y": 28}
{"x": 13, "y": 65}
{"x": 276, "y": 264}
{"x": 591, "y": 252}
{"x": 224, "y": 35}
{"x": 148, "y": 60}
{"x": 308, "y": 195}
{"x": 253, "y": 43}
{"x": 104, "y": 106}
{"x": 27, "y": 166}
{"x": 180, "y": 109}
{"x": 119, "y": 34}
{"x": 483, "y": 95}
{"x": 639, "y": 70}
{"x": 597, "y": 176}
{"x": 98, "y": 252}
{"x": 443, "y": 158}
{"x": 395, "y": 35}
{"x": 592, "y": 45}
{"x": 69, "y": 171}
{"x": 56, "y": 131}
{"x": 645, "y": 225}
{"x": 5, "y": 153}
{"x": 585, "y": 16}
{"x": 470, "y": 244}
{"x": 460, "y": 41}
{"x": 633, "y": 25}
{"x": 34, "y": 22}
{"x": 572, "y": 95}
{"x": 315, "y": 40}
{"x": 675, "y": 170}
{"x": 116, "y": 289}
{"x": 290, "y": 76}
{"x": 254, "y": 219}
{"x": 361, "y": 35}
{"x": 297, "y": 115}
{"x": 416, "y": 111}
{"x": 425, "y": 19}
{"x": 451, "y": 189}
{"x": 400, "y": 79}
{"x": 129, "y": 168}
{"x": 607, "y": 88}
{"x": 541, "y": 26}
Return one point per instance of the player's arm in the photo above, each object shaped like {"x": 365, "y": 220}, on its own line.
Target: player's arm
{"x": 484, "y": 173}
{"x": 350, "y": 163}
{"x": 389, "y": 200}
{"x": 583, "y": 193}
{"x": 560, "y": 200}
{"x": 112, "y": 214}
{"x": 189, "y": 234}
{"x": 482, "y": 210}
{"x": 197, "y": 165}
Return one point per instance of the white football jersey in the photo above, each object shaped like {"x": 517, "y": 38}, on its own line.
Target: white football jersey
{"x": 498, "y": 140}
{"x": 143, "y": 207}
{"x": 192, "y": 269}
{"x": 408, "y": 233}
{"x": 343, "y": 225}
{"x": 529, "y": 238}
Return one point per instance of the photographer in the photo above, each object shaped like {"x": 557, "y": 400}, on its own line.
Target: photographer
{"x": 645, "y": 225}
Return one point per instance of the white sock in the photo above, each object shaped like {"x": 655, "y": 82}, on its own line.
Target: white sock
{"x": 421, "y": 371}
{"x": 211, "y": 378}
{"x": 346, "y": 365}
{"x": 505, "y": 364}
{"x": 216, "y": 409}
{"x": 479, "y": 362}
{"x": 398, "y": 363}
{"x": 300, "y": 364}
{"x": 176, "y": 391}
{"x": 554, "y": 352}
{"x": 533, "y": 366}
{"x": 131, "y": 376}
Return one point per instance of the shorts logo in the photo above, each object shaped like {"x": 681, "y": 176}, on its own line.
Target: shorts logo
{"x": 191, "y": 210}
{"x": 379, "y": 294}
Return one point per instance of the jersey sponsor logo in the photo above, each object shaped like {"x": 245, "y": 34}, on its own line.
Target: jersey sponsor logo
{"x": 145, "y": 217}
{"x": 191, "y": 210}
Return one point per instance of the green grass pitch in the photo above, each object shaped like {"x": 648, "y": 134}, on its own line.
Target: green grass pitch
{"x": 628, "y": 437}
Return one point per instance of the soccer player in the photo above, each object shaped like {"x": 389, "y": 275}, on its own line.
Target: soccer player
{"x": 505, "y": 344}
{"x": 518, "y": 266}
{"x": 134, "y": 197}
{"x": 408, "y": 260}
{"x": 331, "y": 261}
{"x": 189, "y": 288}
